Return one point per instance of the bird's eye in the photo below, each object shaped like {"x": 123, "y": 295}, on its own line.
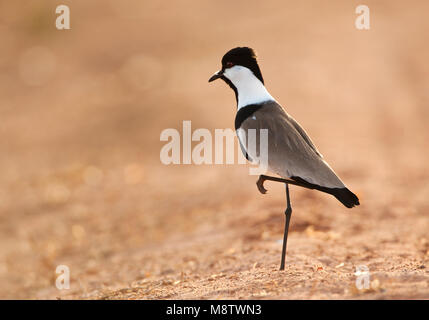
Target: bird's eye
{"x": 229, "y": 64}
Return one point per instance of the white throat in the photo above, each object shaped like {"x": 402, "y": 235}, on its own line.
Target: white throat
{"x": 250, "y": 90}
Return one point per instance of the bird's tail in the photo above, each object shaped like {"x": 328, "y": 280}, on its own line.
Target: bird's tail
{"x": 344, "y": 195}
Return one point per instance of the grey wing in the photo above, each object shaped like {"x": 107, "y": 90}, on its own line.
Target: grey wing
{"x": 303, "y": 134}
{"x": 291, "y": 153}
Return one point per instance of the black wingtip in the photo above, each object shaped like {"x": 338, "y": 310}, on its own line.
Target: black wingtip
{"x": 345, "y": 196}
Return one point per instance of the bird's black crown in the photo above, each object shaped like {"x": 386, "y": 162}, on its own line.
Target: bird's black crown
{"x": 242, "y": 56}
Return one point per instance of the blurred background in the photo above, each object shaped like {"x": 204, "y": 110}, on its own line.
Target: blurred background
{"x": 81, "y": 183}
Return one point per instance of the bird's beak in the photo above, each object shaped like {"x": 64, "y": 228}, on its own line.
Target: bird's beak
{"x": 217, "y": 75}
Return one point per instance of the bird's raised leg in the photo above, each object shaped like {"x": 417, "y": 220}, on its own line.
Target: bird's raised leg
{"x": 263, "y": 178}
{"x": 288, "y": 214}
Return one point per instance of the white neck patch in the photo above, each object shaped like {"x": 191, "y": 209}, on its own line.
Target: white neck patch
{"x": 249, "y": 88}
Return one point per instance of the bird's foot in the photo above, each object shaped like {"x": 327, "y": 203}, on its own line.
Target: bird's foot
{"x": 260, "y": 184}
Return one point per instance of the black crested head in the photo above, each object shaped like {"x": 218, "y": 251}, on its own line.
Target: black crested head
{"x": 242, "y": 56}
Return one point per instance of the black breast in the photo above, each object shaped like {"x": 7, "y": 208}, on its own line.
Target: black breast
{"x": 246, "y": 112}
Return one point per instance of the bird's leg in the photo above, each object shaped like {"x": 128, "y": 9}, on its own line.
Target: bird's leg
{"x": 288, "y": 211}
{"x": 288, "y": 214}
{"x": 263, "y": 178}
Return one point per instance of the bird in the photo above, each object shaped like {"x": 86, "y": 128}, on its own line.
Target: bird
{"x": 292, "y": 155}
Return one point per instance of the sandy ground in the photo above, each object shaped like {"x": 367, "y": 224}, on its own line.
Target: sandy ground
{"x": 81, "y": 183}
